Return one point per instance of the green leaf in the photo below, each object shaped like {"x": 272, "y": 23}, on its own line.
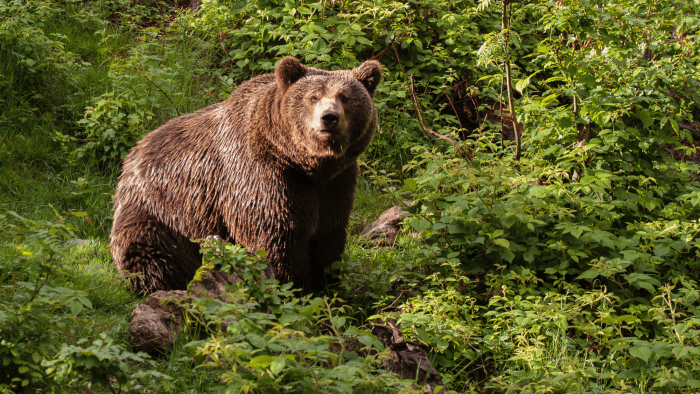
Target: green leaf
{"x": 589, "y": 274}
{"x": 409, "y": 185}
{"x": 563, "y": 376}
{"x": 674, "y": 124}
{"x": 502, "y": 242}
{"x": 645, "y": 117}
{"x": 289, "y": 318}
{"x": 422, "y": 334}
{"x": 629, "y": 374}
{"x": 641, "y": 352}
{"x": 76, "y": 307}
{"x": 589, "y": 81}
{"x": 366, "y": 340}
{"x": 680, "y": 351}
{"x": 363, "y": 40}
{"x": 261, "y": 361}
{"x": 521, "y": 84}
{"x": 420, "y": 224}
{"x": 256, "y": 340}
{"x": 662, "y": 249}
{"x": 555, "y": 79}
{"x": 277, "y": 365}
{"x": 338, "y": 322}
{"x": 552, "y": 98}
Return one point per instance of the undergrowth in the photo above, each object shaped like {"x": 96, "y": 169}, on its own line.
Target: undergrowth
{"x": 572, "y": 268}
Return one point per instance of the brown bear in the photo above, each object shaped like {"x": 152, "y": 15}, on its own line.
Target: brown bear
{"x": 273, "y": 167}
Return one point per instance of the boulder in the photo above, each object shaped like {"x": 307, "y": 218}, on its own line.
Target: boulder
{"x": 384, "y": 230}
{"x": 157, "y": 323}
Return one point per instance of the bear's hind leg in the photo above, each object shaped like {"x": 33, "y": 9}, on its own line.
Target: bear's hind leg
{"x": 166, "y": 259}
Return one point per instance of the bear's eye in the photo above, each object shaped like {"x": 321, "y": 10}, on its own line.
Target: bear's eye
{"x": 343, "y": 98}
{"x": 314, "y": 99}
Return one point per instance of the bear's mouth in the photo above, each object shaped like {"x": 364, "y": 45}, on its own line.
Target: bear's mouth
{"x": 327, "y": 135}
{"x": 329, "y": 139}
{"x": 329, "y": 131}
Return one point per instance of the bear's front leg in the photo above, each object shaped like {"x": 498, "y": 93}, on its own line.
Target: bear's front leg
{"x": 328, "y": 242}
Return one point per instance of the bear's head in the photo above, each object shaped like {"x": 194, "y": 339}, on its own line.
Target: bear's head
{"x": 329, "y": 116}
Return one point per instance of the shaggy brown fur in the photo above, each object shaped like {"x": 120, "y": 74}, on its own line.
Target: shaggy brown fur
{"x": 274, "y": 168}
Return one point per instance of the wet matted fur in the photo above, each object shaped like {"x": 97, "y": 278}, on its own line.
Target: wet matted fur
{"x": 274, "y": 167}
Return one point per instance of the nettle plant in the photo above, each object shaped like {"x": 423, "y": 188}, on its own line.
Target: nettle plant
{"x": 601, "y": 202}
{"x": 264, "y": 337}
{"x": 598, "y": 191}
{"x": 433, "y": 41}
{"x": 36, "y": 317}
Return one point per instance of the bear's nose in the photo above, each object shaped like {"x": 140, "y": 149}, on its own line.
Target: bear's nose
{"x": 330, "y": 119}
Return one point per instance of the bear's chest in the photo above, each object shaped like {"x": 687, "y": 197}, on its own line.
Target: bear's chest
{"x": 304, "y": 206}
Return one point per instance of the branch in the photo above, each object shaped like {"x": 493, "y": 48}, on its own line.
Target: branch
{"x": 505, "y": 25}
{"x": 454, "y": 109}
{"x": 161, "y": 90}
{"x": 409, "y": 291}
{"x": 420, "y": 113}
{"x": 430, "y": 131}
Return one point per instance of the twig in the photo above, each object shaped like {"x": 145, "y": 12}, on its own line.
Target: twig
{"x": 500, "y": 111}
{"x": 505, "y": 25}
{"x": 430, "y": 131}
{"x": 398, "y": 60}
{"x": 397, "y": 298}
{"x": 68, "y": 335}
{"x": 454, "y": 109}
{"x": 420, "y": 113}
{"x": 476, "y": 108}
{"x": 161, "y": 90}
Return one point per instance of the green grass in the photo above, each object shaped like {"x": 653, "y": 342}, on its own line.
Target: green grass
{"x": 491, "y": 320}
{"x": 39, "y": 178}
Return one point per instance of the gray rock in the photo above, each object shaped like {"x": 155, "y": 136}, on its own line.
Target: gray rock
{"x": 384, "y": 230}
{"x": 157, "y": 323}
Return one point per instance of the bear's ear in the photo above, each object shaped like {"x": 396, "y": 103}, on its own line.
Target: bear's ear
{"x": 288, "y": 71}
{"x": 369, "y": 74}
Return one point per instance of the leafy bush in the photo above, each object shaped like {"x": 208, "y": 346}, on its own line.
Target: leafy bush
{"x": 265, "y": 338}
{"x": 113, "y": 127}
{"x": 29, "y": 314}
{"x": 105, "y": 364}
{"x": 37, "y": 317}
{"x": 23, "y": 37}
{"x": 578, "y": 248}
{"x": 572, "y": 269}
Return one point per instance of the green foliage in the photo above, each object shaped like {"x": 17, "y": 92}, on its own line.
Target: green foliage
{"x": 38, "y": 316}
{"x": 28, "y": 315}
{"x": 632, "y": 87}
{"x": 113, "y": 127}
{"x": 578, "y": 249}
{"x": 105, "y": 364}
{"x": 573, "y": 271}
{"x": 23, "y": 37}
{"x": 265, "y": 338}
{"x": 33, "y": 314}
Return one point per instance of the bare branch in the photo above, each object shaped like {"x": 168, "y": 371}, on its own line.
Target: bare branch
{"x": 432, "y": 132}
